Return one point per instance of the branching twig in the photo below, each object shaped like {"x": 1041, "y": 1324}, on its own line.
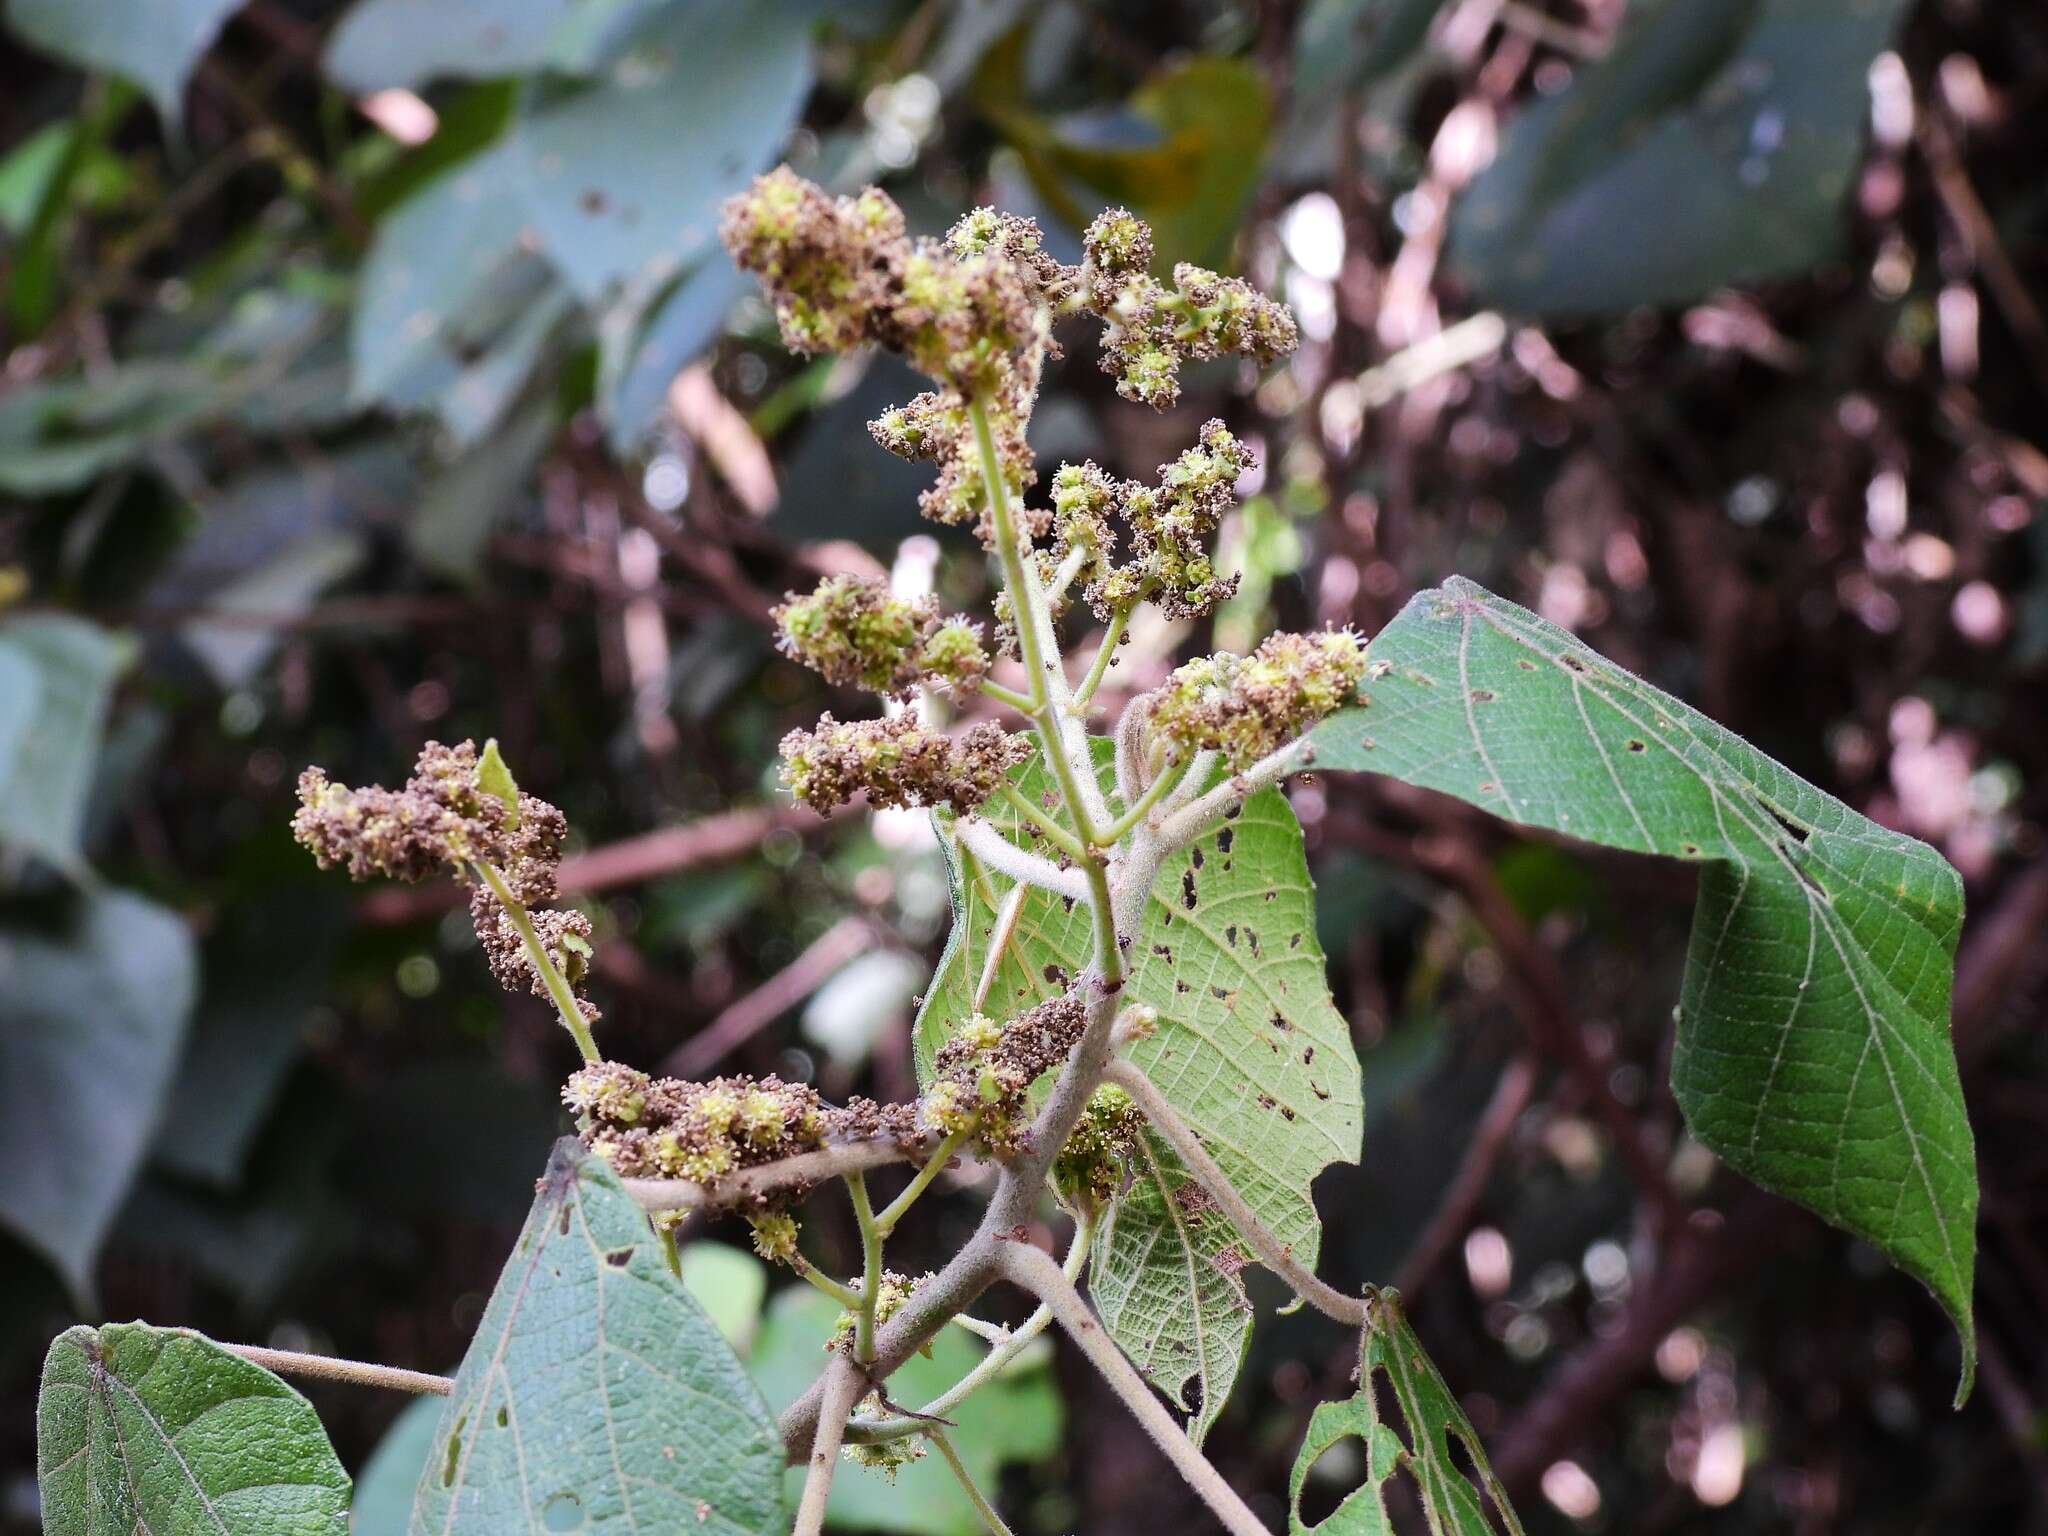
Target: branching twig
{"x": 1000, "y": 854}
{"x": 975, "y": 1496}
{"x": 842, "y": 1389}
{"x": 781, "y": 1177}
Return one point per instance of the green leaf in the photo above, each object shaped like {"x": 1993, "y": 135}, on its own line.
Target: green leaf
{"x": 1249, "y": 1049}
{"x": 1340, "y": 45}
{"x": 91, "y": 1019}
{"x": 142, "y": 1429}
{"x": 383, "y": 1501}
{"x": 596, "y": 1395}
{"x": 493, "y": 777}
{"x": 387, "y": 43}
{"x": 1390, "y": 1358}
{"x": 621, "y": 179}
{"x": 155, "y": 43}
{"x": 1184, "y": 152}
{"x": 1813, "y": 1050}
{"x": 45, "y": 779}
{"x": 1712, "y": 146}
{"x": 460, "y": 505}
{"x": 1015, "y": 1418}
{"x": 637, "y": 365}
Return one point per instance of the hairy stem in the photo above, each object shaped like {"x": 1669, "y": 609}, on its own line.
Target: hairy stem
{"x": 1009, "y": 696}
{"x": 982, "y": 839}
{"x": 842, "y": 1389}
{"x": 1037, "y": 1273}
{"x": 982, "y": 1507}
{"x": 847, "y": 1297}
{"x": 359, "y": 1373}
{"x": 1112, "y": 637}
{"x": 1276, "y": 1255}
{"x": 557, "y": 984}
{"x": 780, "y": 1177}
{"x": 1195, "y": 818}
{"x": 1168, "y": 779}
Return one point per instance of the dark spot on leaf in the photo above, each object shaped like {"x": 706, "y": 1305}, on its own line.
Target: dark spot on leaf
{"x": 1162, "y": 951}
{"x": 1318, "y": 1090}
{"x": 619, "y": 1258}
{"x": 1690, "y": 850}
{"x": 503, "y": 1418}
{"x": 1225, "y": 838}
{"x": 1280, "y": 1022}
{"x": 562, "y": 1225}
{"x": 1267, "y": 1101}
{"x": 1570, "y": 662}
{"x": 1195, "y": 855}
{"x": 1294, "y": 941}
{"x": 1308, "y": 1055}
{"x": 1181, "y": 986}
{"x": 1066, "y": 903}
{"x": 1187, "y": 889}
{"x": 454, "y": 1455}
{"x": 1525, "y": 664}
{"x": 1637, "y": 746}
{"x": 1483, "y": 695}
{"x": 1286, "y": 1113}
{"x": 1054, "y": 975}
{"x": 1219, "y": 993}
{"x": 1230, "y": 935}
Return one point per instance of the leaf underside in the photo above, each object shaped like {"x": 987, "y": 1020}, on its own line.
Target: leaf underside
{"x": 1813, "y": 1050}
{"x": 1249, "y": 1049}
{"x": 1390, "y": 1359}
{"x": 596, "y": 1395}
{"x": 144, "y": 1430}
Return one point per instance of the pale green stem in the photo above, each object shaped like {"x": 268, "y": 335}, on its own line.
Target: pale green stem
{"x": 557, "y": 984}
{"x": 1160, "y": 787}
{"x": 870, "y": 1269}
{"x": 982, "y": 1507}
{"x": 1118, "y": 618}
{"x": 934, "y": 1165}
{"x": 991, "y": 1365}
{"x": 1054, "y": 833}
{"x": 1009, "y": 696}
{"x": 845, "y": 1295}
{"x": 670, "y": 1253}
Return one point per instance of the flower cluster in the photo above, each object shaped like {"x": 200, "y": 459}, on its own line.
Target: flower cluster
{"x": 973, "y": 313}
{"x": 899, "y": 761}
{"x": 666, "y": 1128}
{"x": 890, "y": 1295}
{"x": 852, "y": 633}
{"x": 459, "y": 811}
{"x": 981, "y": 1074}
{"x": 1151, "y": 329}
{"x": 1247, "y": 707}
{"x": 1093, "y": 1165}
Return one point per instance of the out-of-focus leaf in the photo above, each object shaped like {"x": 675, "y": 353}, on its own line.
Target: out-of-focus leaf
{"x": 1250, "y": 1049}
{"x": 730, "y": 1286}
{"x": 386, "y": 43}
{"x": 266, "y": 967}
{"x": 446, "y": 272}
{"x": 254, "y": 609}
{"x": 1014, "y": 1418}
{"x": 461, "y": 504}
{"x": 1813, "y": 1050}
{"x": 622, "y": 178}
{"x": 142, "y": 1429}
{"x": 155, "y": 43}
{"x": 1390, "y": 1358}
{"x": 474, "y": 403}
{"x": 596, "y": 1394}
{"x": 1183, "y": 153}
{"x": 383, "y": 1501}
{"x": 56, "y": 727}
{"x": 62, "y": 435}
{"x": 91, "y": 1019}
{"x": 637, "y": 364}
{"x": 1712, "y": 146}
{"x": 1340, "y": 45}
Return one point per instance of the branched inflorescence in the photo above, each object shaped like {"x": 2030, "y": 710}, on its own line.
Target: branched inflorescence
{"x": 1249, "y": 706}
{"x": 461, "y": 814}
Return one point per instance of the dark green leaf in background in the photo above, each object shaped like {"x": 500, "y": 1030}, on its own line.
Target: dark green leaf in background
{"x": 1713, "y": 146}
{"x": 596, "y": 1395}
{"x": 1813, "y": 1050}
{"x": 1418, "y": 1439}
{"x": 145, "y": 1431}
{"x": 91, "y": 1019}
{"x": 56, "y": 674}
{"x": 155, "y": 43}
{"x": 386, "y": 43}
{"x": 622, "y": 179}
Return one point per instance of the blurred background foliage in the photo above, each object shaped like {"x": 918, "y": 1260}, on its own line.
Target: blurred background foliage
{"x": 372, "y": 372}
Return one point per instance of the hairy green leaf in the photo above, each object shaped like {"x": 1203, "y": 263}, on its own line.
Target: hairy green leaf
{"x": 596, "y": 1395}
{"x": 1390, "y": 1358}
{"x": 1712, "y": 146}
{"x": 91, "y": 1019}
{"x": 1249, "y": 1049}
{"x": 145, "y": 1431}
{"x": 1813, "y": 1049}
